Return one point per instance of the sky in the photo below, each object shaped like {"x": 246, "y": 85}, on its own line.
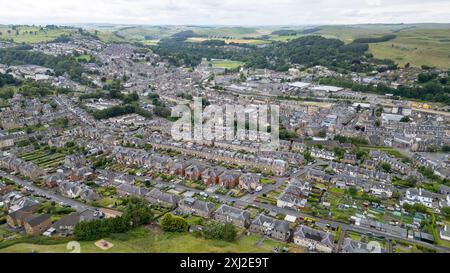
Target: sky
{"x": 223, "y": 12}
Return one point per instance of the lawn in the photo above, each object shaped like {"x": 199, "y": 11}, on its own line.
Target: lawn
{"x": 143, "y": 241}
{"x": 267, "y": 181}
{"x": 227, "y": 64}
{"x": 85, "y": 57}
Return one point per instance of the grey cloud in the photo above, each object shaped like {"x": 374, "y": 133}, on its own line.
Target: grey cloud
{"x": 233, "y": 12}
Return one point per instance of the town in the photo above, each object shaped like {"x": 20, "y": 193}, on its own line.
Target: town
{"x": 88, "y": 132}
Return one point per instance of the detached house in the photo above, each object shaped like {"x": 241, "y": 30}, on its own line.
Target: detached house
{"x": 268, "y": 226}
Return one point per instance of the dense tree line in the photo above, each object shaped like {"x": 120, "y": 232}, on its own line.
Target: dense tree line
{"x": 285, "y": 32}
{"x": 121, "y": 110}
{"x": 352, "y": 140}
{"x": 308, "y": 50}
{"x": 185, "y": 35}
{"x": 381, "y": 39}
{"x": 218, "y": 231}
{"x": 137, "y": 213}
{"x": 60, "y": 64}
{"x": 6, "y": 79}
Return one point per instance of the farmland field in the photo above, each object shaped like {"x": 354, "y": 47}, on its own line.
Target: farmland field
{"x": 30, "y": 34}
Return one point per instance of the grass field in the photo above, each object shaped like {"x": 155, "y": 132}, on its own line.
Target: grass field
{"x": 229, "y": 41}
{"x": 423, "y": 44}
{"x": 418, "y": 47}
{"x": 143, "y": 241}
{"x": 84, "y": 57}
{"x": 228, "y": 64}
{"x": 30, "y": 34}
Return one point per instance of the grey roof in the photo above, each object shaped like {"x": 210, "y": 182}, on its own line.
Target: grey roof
{"x": 197, "y": 204}
{"x": 35, "y": 220}
{"x": 279, "y": 225}
{"x": 325, "y": 238}
{"x": 133, "y": 190}
{"x": 233, "y": 213}
{"x": 67, "y": 221}
{"x": 421, "y": 192}
{"x": 162, "y": 196}
{"x": 351, "y": 246}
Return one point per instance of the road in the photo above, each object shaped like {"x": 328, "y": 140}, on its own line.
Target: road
{"x": 287, "y": 211}
{"x": 78, "y": 206}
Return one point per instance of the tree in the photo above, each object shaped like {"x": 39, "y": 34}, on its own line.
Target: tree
{"x": 386, "y": 167}
{"x": 396, "y": 195}
{"x": 307, "y": 155}
{"x": 353, "y": 191}
{"x": 137, "y": 212}
{"x": 172, "y": 223}
{"x": 446, "y": 212}
{"x": 161, "y": 111}
{"x": 226, "y": 232}
{"x": 322, "y": 134}
{"x": 411, "y": 181}
{"x": 405, "y": 119}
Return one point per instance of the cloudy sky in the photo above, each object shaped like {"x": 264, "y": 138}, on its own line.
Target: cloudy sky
{"x": 223, "y": 12}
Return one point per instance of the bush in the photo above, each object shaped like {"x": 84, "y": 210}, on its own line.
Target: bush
{"x": 173, "y": 223}
{"x": 226, "y": 232}
{"x": 137, "y": 213}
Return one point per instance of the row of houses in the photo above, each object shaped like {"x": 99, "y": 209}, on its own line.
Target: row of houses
{"x": 355, "y": 171}
{"x": 382, "y": 189}
{"x": 394, "y": 163}
{"x": 28, "y": 169}
{"x": 264, "y": 225}
{"x": 276, "y": 166}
